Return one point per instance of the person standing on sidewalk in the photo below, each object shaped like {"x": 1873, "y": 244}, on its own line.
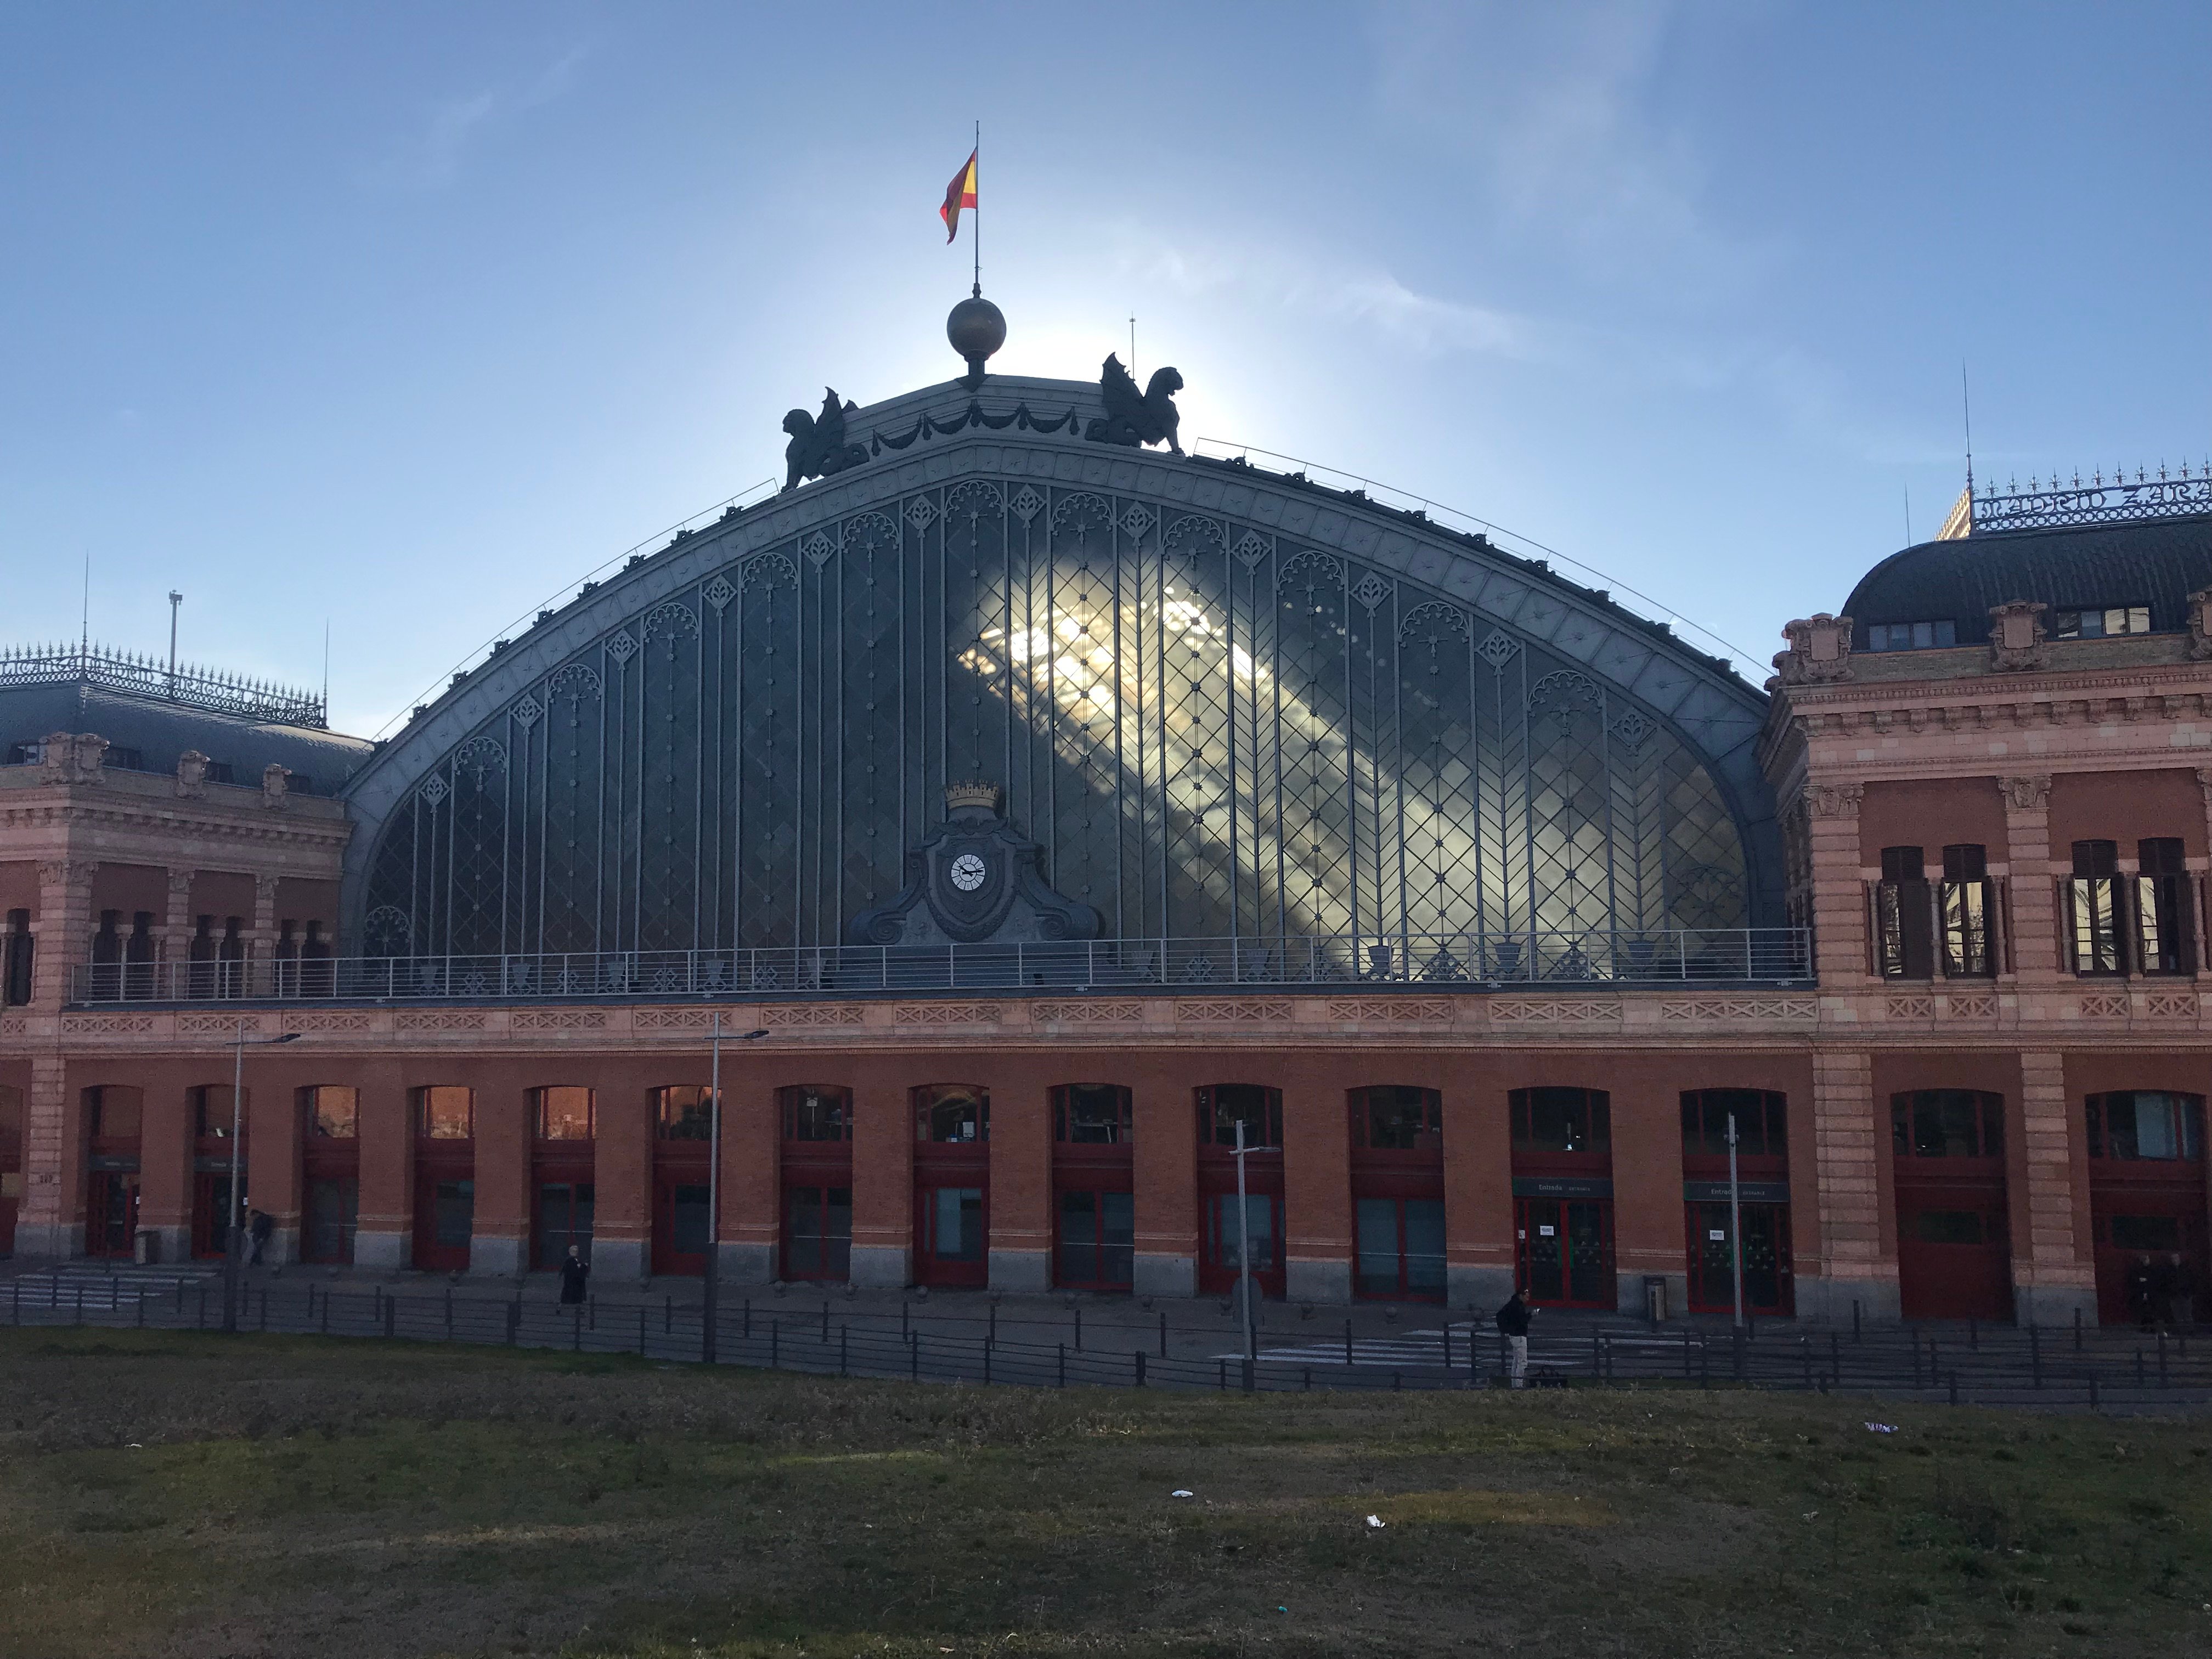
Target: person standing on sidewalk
{"x": 1513, "y": 1325}
{"x": 574, "y": 1270}
{"x": 258, "y": 1230}
{"x": 2180, "y": 1286}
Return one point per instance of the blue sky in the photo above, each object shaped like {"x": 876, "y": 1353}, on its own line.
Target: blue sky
{"x": 407, "y": 316}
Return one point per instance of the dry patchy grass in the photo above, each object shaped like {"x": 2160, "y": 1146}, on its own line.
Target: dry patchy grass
{"x": 210, "y": 1499}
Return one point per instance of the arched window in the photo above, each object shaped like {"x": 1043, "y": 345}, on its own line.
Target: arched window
{"x": 951, "y": 1114}
{"x": 683, "y": 1112}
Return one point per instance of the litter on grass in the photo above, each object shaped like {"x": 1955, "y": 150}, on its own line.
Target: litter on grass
{"x": 1882, "y": 1428}
{"x": 1376, "y": 1521}
{"x": 1179, "y": 1492}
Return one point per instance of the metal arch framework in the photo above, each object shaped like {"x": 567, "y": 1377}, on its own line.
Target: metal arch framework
{"x": 1226, "y": 708}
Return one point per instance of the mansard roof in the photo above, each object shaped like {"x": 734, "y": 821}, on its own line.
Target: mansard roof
{"x": 2154, "y": 562}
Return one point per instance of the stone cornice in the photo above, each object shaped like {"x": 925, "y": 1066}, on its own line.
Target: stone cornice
{"x": 2000, "y": 1016}
{"x": 67, "y": 807}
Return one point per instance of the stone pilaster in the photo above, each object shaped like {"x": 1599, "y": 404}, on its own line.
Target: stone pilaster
{"x": 1858, "y": 1261}
{"x": 2035, "y": 953}
{"x": 175, "y": 947}
{"x": 261, "y": 943}
{"x": 1839, "y": 927}
{"x": 2053, "y": 1274}
{"x": 50, "y": 1224}
{"x": 63, "y": 928}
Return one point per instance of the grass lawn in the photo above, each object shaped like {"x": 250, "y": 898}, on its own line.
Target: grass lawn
{"x": 184, "y": 1495}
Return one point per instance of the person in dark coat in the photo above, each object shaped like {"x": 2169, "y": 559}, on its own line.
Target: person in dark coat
{"x": 2142, "y": 1292}
{"x": 574, "y": 1270}
{"x": 2180, "y": 1286}
{"x": 259, "y": 1226}
{"x": 1513, "y": 1325}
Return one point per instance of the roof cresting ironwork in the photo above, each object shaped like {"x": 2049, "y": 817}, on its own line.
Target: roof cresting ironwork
{"x": 210, "y": 690}
{"x": 2117, "y": 500}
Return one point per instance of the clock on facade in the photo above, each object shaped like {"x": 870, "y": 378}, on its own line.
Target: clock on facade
{"x": 967, "y": 872}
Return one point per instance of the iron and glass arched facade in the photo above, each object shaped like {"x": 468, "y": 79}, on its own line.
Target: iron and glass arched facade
{"x": 1220, "y": 719}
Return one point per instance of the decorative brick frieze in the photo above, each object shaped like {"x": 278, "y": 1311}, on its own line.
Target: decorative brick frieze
{"x": 1240, "y": 1011}
{"x": 677, "y": 1019}
{"x": 805, "y": 1015}
{"x": 1910, "y": 1007}
{"x": 558, "y": 1019}
{"x": 334, "y": 1022}
{"x": 2170, "y": 1004}
{"x": 1391, "y": 1011}
{"x": 1517, "y": 1011}
{"x": 107, "y": 1025}
{"x": 946, "y": 1013}
{"x": 2104, "y": 1004}
{"x": 1710, "y": 1009}
{"x": 1087, "y": 1012}
{"x": 441, "y": 1019}
{"x": 1972, "y": 1005}
{"x": 218, "y": 1025}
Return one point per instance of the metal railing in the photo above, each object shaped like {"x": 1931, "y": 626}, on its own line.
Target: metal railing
{"x": 1468, "y": 962}
{"x": 210, "y": 689}
{"x": 1122, "y": 1348}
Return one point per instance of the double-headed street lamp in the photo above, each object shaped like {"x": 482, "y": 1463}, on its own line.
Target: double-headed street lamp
{"x": 714, "y": 1183}
{"x": 233, "y": 1231}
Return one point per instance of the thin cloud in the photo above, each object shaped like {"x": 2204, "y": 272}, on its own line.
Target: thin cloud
{"x": 433, "y": 157}
{"x": 1427, "y": 324}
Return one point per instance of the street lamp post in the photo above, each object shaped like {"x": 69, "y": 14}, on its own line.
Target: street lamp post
{"x": 1244, "y": 1249}
{"x": 233, "y": 1233}
{"x": 713, "y": 1306}
{"x": 1736, "y": 1223}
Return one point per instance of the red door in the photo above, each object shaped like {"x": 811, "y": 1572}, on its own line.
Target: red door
{"x": 111, "y": 1212}
{"x": 211, "y": 1213}
{"x": 1954, "y": 1253}
{"x": 2133, "y": 1228}
{"x": 445, "y": 1215}
{"x": 681, "y": 1201}
{"x": 1768, "y": 1285}
{"x": 1220, "y": 1240}
{"x": 1564, "y": 1251}
{"x": 952, "y": 1229}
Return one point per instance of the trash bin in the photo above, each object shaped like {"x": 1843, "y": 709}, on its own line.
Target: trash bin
{"x": 1655, "y": 1298}
{"x": 147, "y": 1247}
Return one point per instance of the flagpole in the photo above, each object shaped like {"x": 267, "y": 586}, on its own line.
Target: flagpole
{"x": 975, "y": 231}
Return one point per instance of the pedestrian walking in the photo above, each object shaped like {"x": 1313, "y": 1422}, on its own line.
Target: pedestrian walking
{"x": 574, "y": 1270}
{"x": 1513, "y": 1325}
{"x": 259, "y": 1226}
{"x": 2142, "y": 1292}
{"x": 2179, "y": 1284}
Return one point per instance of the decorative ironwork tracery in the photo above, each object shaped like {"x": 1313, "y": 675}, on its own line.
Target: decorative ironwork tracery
{"x": 1214, "y": 728}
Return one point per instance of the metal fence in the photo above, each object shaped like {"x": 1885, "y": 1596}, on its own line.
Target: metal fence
{"x": 1458, "y": 961}
{"x": 2076, "y": 1369}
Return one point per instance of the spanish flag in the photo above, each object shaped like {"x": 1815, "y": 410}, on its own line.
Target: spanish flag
{"x": 960, "y": 193}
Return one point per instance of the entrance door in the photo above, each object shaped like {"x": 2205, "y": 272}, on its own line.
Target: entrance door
{"x": 952, "y": 1233}
{"x": 445, "y": 1218}
{"x": 2157, "y": 1226}
{"x": 1401, "y": 1249}
{"x": 1566, "y": 1246}
{"x": 1953, "y": 1255}
{"x": 817, "y": 1233}
{"x": 333, "y": 1204}
{"x": 681, "y": 1202}
{"x": 211, "y": 1214}
{"x": 1219, "y": 1264}
{"x": 1768, "y": 1287}
{"x": 1097, "y": 1239}
{"x": 111, "y": 1214}
{"x": 564, "y": 1217}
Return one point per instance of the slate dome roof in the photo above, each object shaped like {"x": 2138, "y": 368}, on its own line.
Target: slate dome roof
{"x": 2154, "y": 561}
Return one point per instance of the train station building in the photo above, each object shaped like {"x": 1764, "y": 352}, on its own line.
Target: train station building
{"x": 1033, "y": 812}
